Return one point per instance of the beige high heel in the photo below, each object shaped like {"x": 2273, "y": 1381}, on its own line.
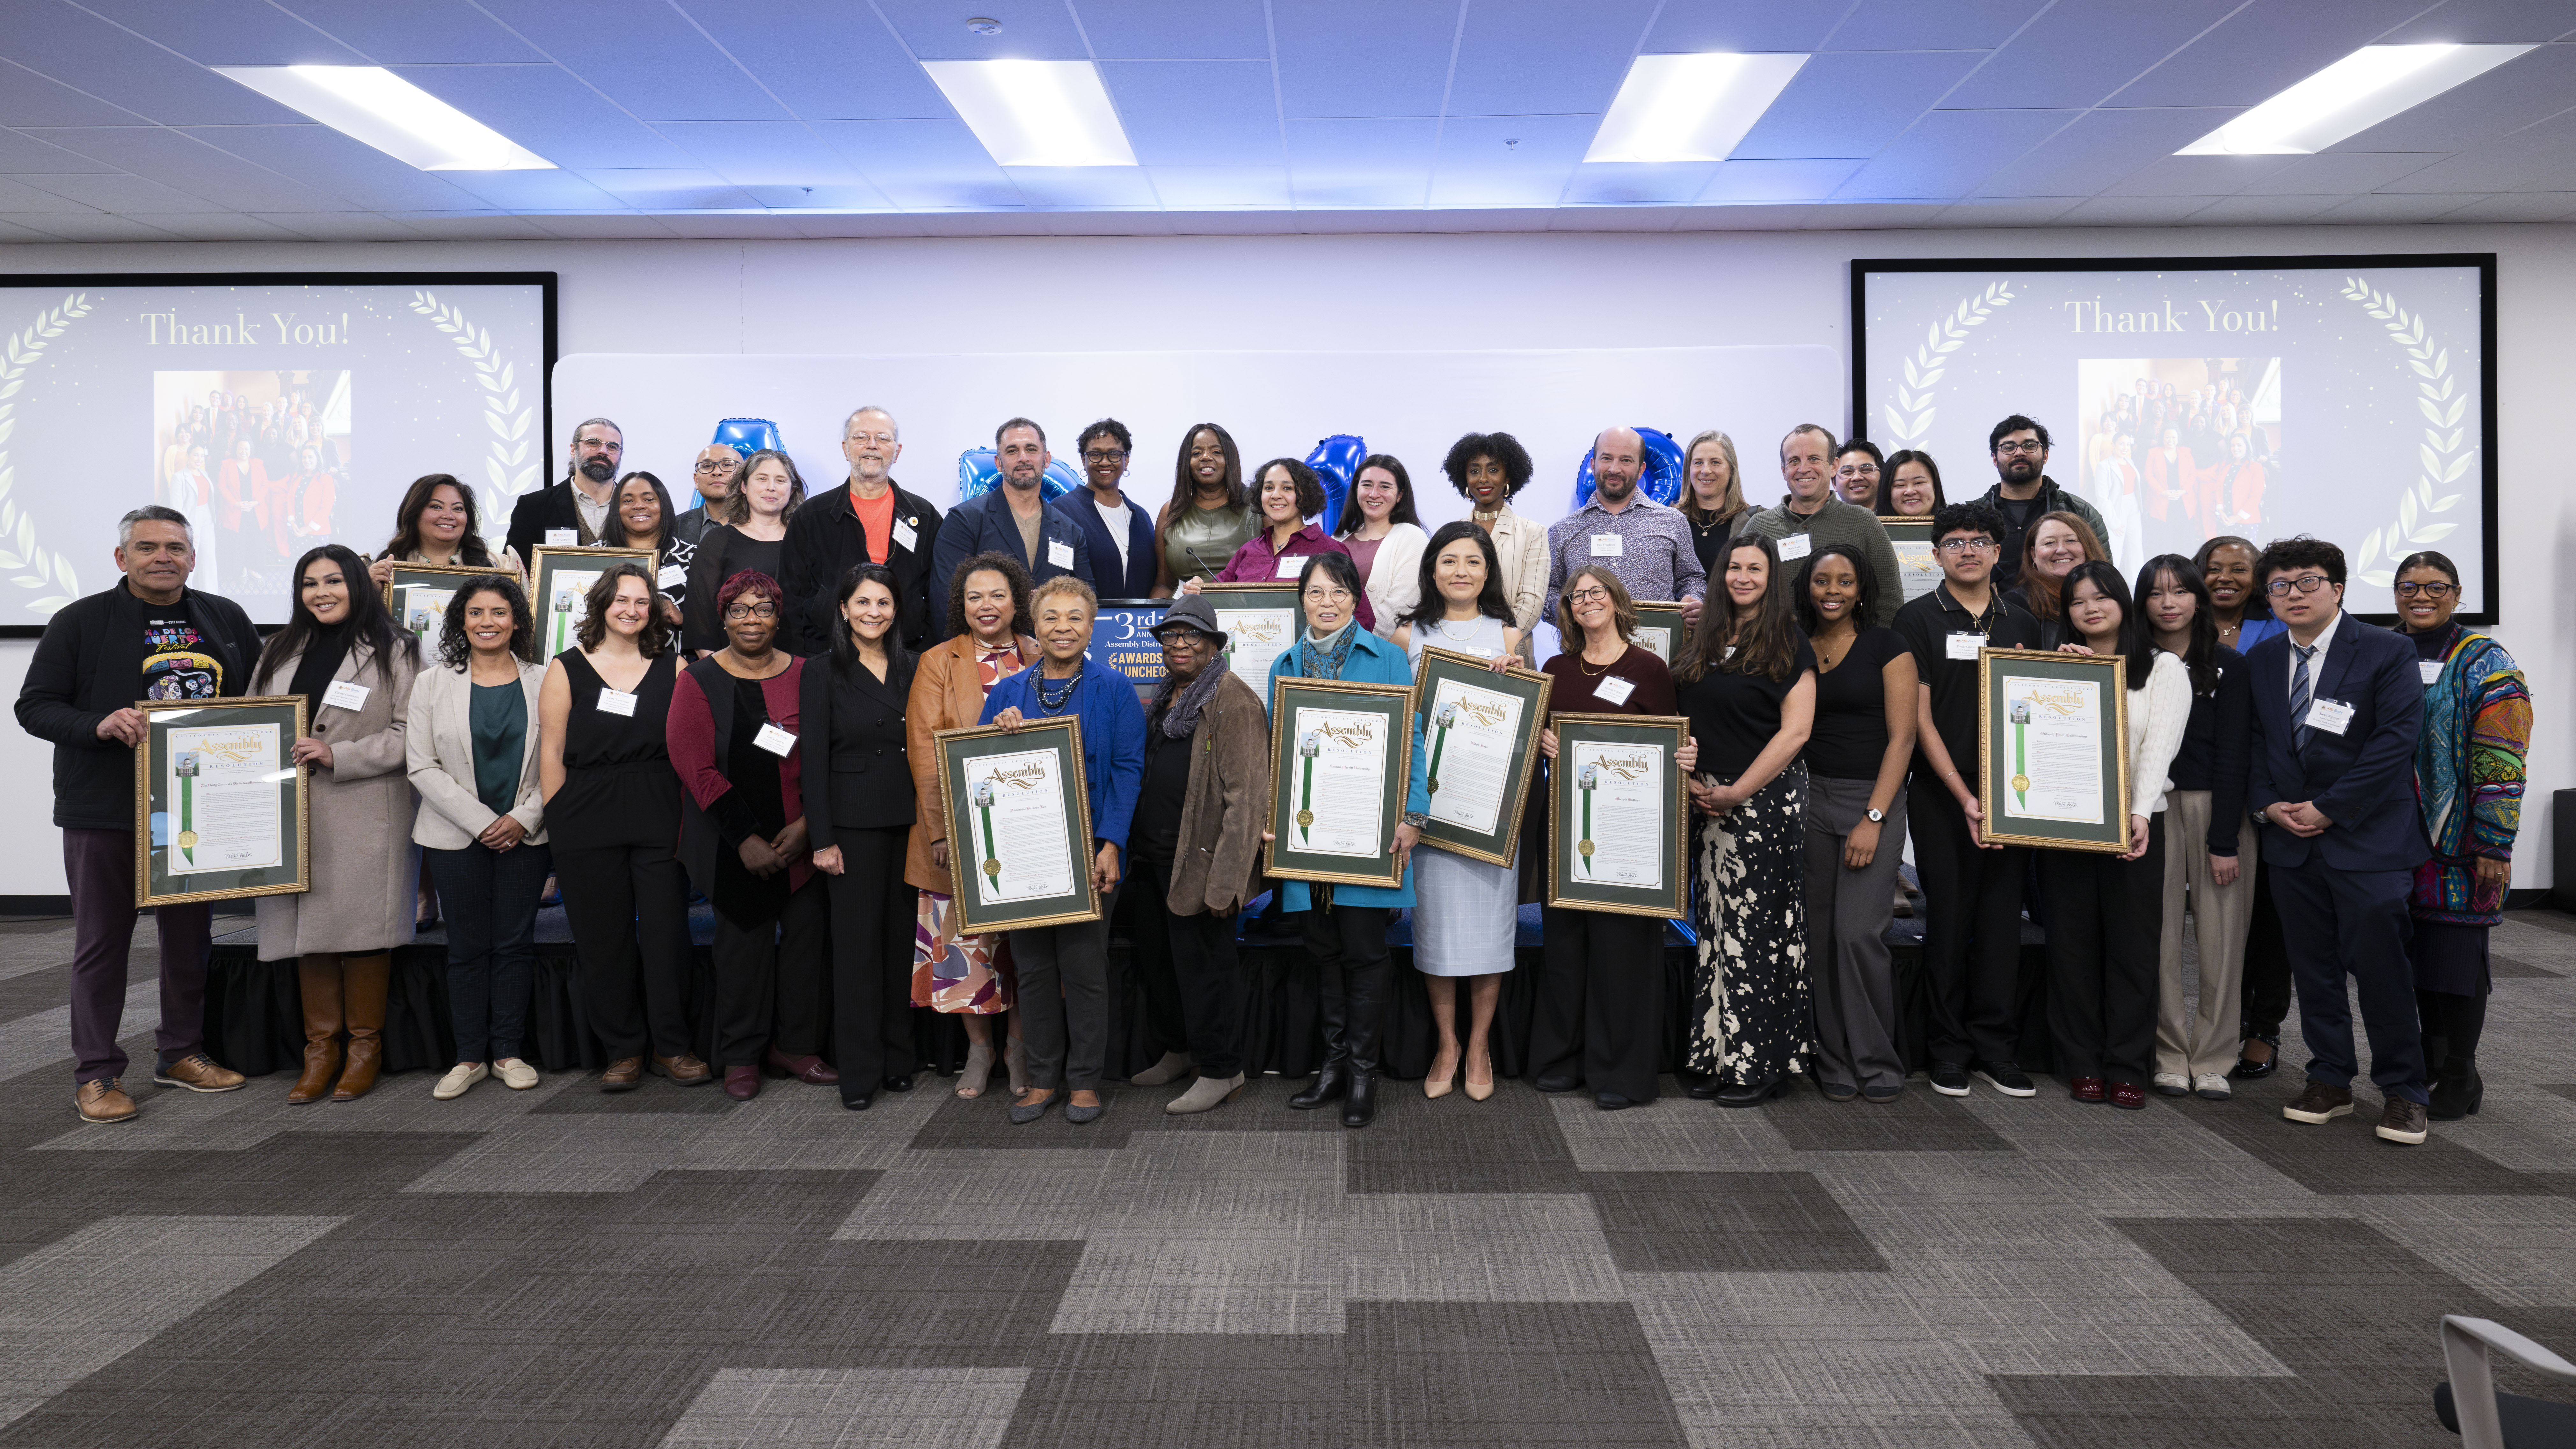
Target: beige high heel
{"x": 1440, "y": 1084}
{"x": 1479, "y": 1091}
{"x": 977, "y": 1071}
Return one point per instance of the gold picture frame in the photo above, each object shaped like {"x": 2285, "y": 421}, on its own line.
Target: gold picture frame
{"x": 959, "y": 747}
{"x": 2107, "y": 673}
{"x": 284, "y": 718}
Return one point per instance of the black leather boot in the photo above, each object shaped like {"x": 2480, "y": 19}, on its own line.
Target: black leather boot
{"x": 1332, "y": 1080}
{"x": 1359, "y": 1108}
{"x": 2457, "y": 1091}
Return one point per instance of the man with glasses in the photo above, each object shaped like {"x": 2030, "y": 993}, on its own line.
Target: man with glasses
{"x": 1971, "y": 890}
{"x": 1015, "y": 519}
{"x": 1856, "y": 470}
{"x": 1810, "y": 516}
{"x": 717, "y": 475}
{"x": 2338, "y": 707}
{"x": 1112, "y": 527}
{"x": 869, "y": 521}
{"x": 1646, "y": 544}
{"x": 574, "y": 511}
{"x": 2024, "y": 492}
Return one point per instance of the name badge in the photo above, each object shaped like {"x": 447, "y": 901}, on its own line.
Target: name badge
{"x": 1290, "y": 568}
{"x": 775, "y": 740}
{"x": 1059, "y": 554}
{"x": 616, "y": 701}
{"x": 2431, "y": 669}
{"x": 1965, "y": 646}
{"x": 1609, "y": 545}
{"x": 1796, "y": 546}
{"x": 1613, "y": 691}
{"x": 905, "y": 537}
{"x": 2330, "y": 715}
{"x": 563, "y": 538}
{"x": 671, "y": 577}
{"x": 344, "y": 695}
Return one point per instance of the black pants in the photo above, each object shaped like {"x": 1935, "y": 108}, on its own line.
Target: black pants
{"x": 871, "y": 959}
{"x": 769, "y": 980}
{"x": 1599, "y": 1014}
{"x": 1193, "y": 983}
{"x": 2105, "y": 932}
{"x": 2266, "y": 991}
{"x": 614, "y": 898}
{"x": 1356, "y": 975}
{"x": 490, "y": 898}
{"x": 2353, "y": 923}
{"x": 1972, "y": 937}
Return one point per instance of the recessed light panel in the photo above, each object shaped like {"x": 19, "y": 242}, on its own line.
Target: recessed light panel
{"x": 1690, "y": 107}
{"x": 378, "y": 107}
{"x": 2349, "y": 97}
{"x": 1035, "y": 112}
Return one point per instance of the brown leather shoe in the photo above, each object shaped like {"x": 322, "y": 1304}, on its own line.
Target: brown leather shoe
{"x": 2320, "y": 1104}
{"x": 812, "y": 1070}
{"x": 365, "y": 982}
{"x": 199, "y": 1072}
{"x": 623, "y": 1075}
{"x": 684, "y": 1070}
{"x": 2403, "y": 1121}
{"x": 103, "y": 1102}
{"x": 317, "y": 977}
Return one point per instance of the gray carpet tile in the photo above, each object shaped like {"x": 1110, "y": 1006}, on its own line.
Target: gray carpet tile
{"x": 40, "y": 986}
{"x": 2344, "y": 1156}
{"x": 1922, "y": 1120}
{"x": 2562, "y": 1089}
{"x": 1505, "y": 1374}
{"x": 2507, "y": 968}
{"x": 1508, "y": 1143}
{"x": 918, "y": 1408}
{"x": 1727, "y": 1222}
{"x": 655, "y": 1096}
{"x": 1161, "y": 1390}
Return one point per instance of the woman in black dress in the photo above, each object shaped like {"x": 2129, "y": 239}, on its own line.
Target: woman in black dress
{"x": 752, "y": 538}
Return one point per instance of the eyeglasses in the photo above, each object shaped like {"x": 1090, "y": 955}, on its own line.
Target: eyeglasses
{"x": 1327, "y": 596}
{"x": 2430, "y": 591}
{"x": 740, "y": 612}
{"x": 1587, "y": 596}
{"x": 1098, "y": 456}
{"x": 2304, "y": 583}
{"x": 712, "y": 466}
{"x": 1963, "y": 545}
{"x": 2034, "y": 449}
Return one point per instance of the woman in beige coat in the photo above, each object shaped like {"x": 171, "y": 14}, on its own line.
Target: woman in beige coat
{"x": 1487, "y": 469}
{"x": 340, "y": 651}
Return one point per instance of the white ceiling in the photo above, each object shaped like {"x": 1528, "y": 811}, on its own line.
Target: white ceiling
{"x": 697, "y": 118}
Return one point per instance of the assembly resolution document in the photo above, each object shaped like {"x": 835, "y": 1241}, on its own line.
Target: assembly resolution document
{"x": 221, "y": 797}
{"x": 1656, "y": 640}
{"x": 2054, "y": 730}
{"x": 1620, "y": 796}
{"x": 1015, "y": 809}
{"x": 1254, "y": 638}
{"x": 1340, "y": 782}
{"x": 1473, "y": 734}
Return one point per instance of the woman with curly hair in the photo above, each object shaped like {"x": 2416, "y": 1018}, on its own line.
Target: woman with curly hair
{"x": 471, "y": 744}
{"x": 1488, "y": 469}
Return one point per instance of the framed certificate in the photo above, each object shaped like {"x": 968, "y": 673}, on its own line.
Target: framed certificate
{"x": 1480, "y": 733}
{"x": 1019, "y": 825}
{"x": 559, "y": 581}
{"x": 1341, "y": 760}
{"x": 1660, "y": 630}
{"x": 1918, "y": 567}
{"x": 1260, "y": 623}
{"x": 1618, "y": 826}
{"x": 219, "y": 811}
{"x": 418, "y": 594}
{"x": 2054, "y": 728}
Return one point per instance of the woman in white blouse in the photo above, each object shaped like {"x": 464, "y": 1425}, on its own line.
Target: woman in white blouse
{"x": 2106, "y": 912}
{"x": 1385, "y": 538}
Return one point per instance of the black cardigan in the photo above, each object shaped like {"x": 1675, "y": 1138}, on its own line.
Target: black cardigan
{"x": 857, "y": 776}
{"x": 88, "y": 665}
{"x": 2218, "y": 749}
{"x": 825, "y": 538}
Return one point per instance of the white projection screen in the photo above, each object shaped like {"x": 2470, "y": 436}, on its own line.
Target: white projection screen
{"x": 278, "y": 410}
{"x": 2347, "y": 397}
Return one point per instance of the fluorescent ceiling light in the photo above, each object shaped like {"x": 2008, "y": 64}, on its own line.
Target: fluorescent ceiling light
{"x": 1689, "y": 107}
{"x": 2349, "y": 97}
{"x": 1035, "y": 112}
{"x": 391, "y": 114}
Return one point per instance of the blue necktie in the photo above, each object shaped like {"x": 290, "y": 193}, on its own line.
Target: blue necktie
{"x": 2300, "y": 688}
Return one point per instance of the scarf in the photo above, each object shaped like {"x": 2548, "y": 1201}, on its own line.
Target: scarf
{"x": 1180, "y": 711}
{"x": 1326, "y": 655}
{"x": 318, "y": 666}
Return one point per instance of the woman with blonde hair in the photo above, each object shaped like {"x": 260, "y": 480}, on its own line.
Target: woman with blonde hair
{"x": 1713, "y": 494}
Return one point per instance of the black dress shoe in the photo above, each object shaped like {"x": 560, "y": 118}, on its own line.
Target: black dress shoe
{"x": 1359, "y": 1105}
{"x": 858, "y": 1103}
{"x": 1704, "y": 1089}
{"x": 1753, "y": 1094}
{"x": 1610, "y": 1101}
{"x": 2247, "y": 1071}
{"x": 1331, "y": 1081}
{"x": 899, "y": 1083}
{"x": 1837, "y": 1091}
{"x": 1556, "y": 1084}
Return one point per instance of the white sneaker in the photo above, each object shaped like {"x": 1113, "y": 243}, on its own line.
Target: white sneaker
{"x": 2172, "y": 1084}
{"x": 2212, "y": 1086}
{"x": 458, "y": 1078}
{"x": 515, "y": 1074}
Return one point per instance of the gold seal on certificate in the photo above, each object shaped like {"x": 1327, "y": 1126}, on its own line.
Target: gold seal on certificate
{"x": 1619, "y": 829}
{"x": 1341, "y": 757}
{"x": 219, "y": 804}
{"x": 2055, "y": 766}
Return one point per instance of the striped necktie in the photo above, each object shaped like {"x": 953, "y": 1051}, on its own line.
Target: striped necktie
{"x": 2301, "y": 687}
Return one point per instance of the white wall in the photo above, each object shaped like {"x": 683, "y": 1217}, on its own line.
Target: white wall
{"x": 1408, "y": 292}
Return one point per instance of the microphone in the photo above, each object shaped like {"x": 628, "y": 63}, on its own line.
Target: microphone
{"x": 1213, "y": 571}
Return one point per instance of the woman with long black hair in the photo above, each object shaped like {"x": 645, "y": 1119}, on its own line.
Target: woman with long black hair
{"x": 640, "y": 516}
{"x": 1209, "y": 514}
{"x": 437, "y": 523}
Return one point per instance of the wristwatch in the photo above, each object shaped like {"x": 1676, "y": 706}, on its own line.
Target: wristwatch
{"x": 1876, "y": 816}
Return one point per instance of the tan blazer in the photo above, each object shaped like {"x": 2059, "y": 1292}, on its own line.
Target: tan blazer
{"x": 947, "y": 694}
{"x": 1521, "y": 546}
{"x": 439, "y": 747}
{"x": 366, "y": 873}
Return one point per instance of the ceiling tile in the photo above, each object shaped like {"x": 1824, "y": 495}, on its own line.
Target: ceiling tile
{"x": 216, "y": 226}
{"x": 120, "y": 193}
{"x": 2518, "y": 206}
{"x": 549, "y": 112}
{"x": 1913, "y": 25}
{"x": 2197, "y": 175}
{"x": 1100, "y": 187}
{"x": 2008, "y": 211}
{"x": 471, "y": 226}
{"x": 673, "y": 190}
{"x": 1031, "y": 29}
{"x": 90, "y": 54}
{"x": 824, "y": 62}
{"x": 29, "y": 99}
{"x": 1869, "y": 216}
{"x": 655, "y": 63}
{"x": 1947, "y": 154}
{"x": 1851, "y": 104}
{"x": 1743, "y": 218}
{"x": 100, "y": 227}
{"x": 608, "y": 227}
{"x": 1519, "y": 58}
{"x": 1474, "y": 166}
{"x": 890, "y": 224}
{"x": 1689, "y": 27}
{"x": 1194, "y": 187}
{"x": 936, "y": 164}
{"x": 2098, "y": 149}
{"x": 2260, "y": 209}
{"x": 2134, "y": 210}
{"x": 185, "y": 162}
{"x": 1614, "y": 218}
{"x": 2524, "y": 91}
{"x": 343, "y": 226}
{"x": 22, "y": 152}
{"x": 2386, "y": 208}
{"x": 1361, "y": 163}
{"x": 227, "y": 32}
{"x": 762, "y": 153}
{"x": 2488, "y": 22}
{"x": 1740, "y": 180}
{"x": 2538, "y": 158}
{"x": 1638, "y": 185}
{"x": 535, "y": 191}
{"x": 1364, "y": 58}
{"x": 13, "y": 232}
{"x": 2345, "y": 172}
{"x": 337, "y": 165}
{"x": 415, "y": 32}
{"x": 1175, "y": 29}
{"x": 2262, "y": 50}
{"x": 1197, "y": 112}
{"x": 2079, "y": 53}
{"x": 17, "y": 196}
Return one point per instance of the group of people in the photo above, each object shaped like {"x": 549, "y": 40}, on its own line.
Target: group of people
{"x": 257, "y": 480}
{"x": 749, "y": 718}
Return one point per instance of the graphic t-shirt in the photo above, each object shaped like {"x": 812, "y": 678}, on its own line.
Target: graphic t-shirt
{"x": 176, "y": 664}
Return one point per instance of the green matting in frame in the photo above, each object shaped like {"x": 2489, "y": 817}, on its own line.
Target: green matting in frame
{"x": 558, "y": 579}
{"x": 1660, "y": 630}
{"x": 220, "y": 811}
{"x": 1618, "y": 823}
{"x": 2054, "y": 730}
{"x": 1341, "y": 762}
{"x": 1019, "y": 825}
{"x": 1480, "y": 735}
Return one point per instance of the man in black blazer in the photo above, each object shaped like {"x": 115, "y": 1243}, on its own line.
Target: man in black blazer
{"x": 579, "y": 504}
{"x": 2338, "y": 706}
{"x": 994, "y": 522}
{"x": 831, "y": 533}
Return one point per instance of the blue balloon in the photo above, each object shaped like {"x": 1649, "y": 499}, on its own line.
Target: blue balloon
{"x": 749, "y": 435}
{"x": 1336, "y": 461}
{"x": 1665, "y": 479}
{"x": 978, "y": 474}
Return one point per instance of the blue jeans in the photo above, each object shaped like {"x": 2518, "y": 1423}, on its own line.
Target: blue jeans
{"x": 489, "y": 898}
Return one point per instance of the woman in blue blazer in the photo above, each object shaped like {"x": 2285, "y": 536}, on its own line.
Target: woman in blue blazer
{"x": 1346, "y": 925}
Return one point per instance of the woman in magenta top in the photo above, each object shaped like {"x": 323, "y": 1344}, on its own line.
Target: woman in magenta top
{"x": 1287, "y": 494}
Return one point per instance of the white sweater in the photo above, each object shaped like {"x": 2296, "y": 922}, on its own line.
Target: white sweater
{"x": 2157, "y": 717}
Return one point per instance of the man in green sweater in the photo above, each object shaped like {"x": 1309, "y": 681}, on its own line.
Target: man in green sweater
{"x": 1811, "y": 517}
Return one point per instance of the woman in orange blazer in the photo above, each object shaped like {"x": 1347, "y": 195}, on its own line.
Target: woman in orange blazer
{"x": 988, "y": 601}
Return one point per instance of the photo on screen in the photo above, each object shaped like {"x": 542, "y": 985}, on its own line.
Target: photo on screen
{"x": 258, "y": 461}
{"x": 2175, "y": 451}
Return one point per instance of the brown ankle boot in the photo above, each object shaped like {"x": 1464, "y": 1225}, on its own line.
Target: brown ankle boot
{"x": 319, "y": 979}
{"x": 366, "y": 981}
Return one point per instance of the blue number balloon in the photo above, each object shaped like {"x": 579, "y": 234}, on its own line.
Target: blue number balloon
{"x": 1666, "y": 475}
{"x": 1336, "y": 461}
{"x": 749, "y": 435}
{"x": 978, "y": 474}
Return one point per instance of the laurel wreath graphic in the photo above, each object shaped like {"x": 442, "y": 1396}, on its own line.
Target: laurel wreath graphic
{"x": 1923, "y": 369}
{"x": 2443, "y": 404}
{"x": 19, "y": 548}
{"x": 511, "y": 468}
